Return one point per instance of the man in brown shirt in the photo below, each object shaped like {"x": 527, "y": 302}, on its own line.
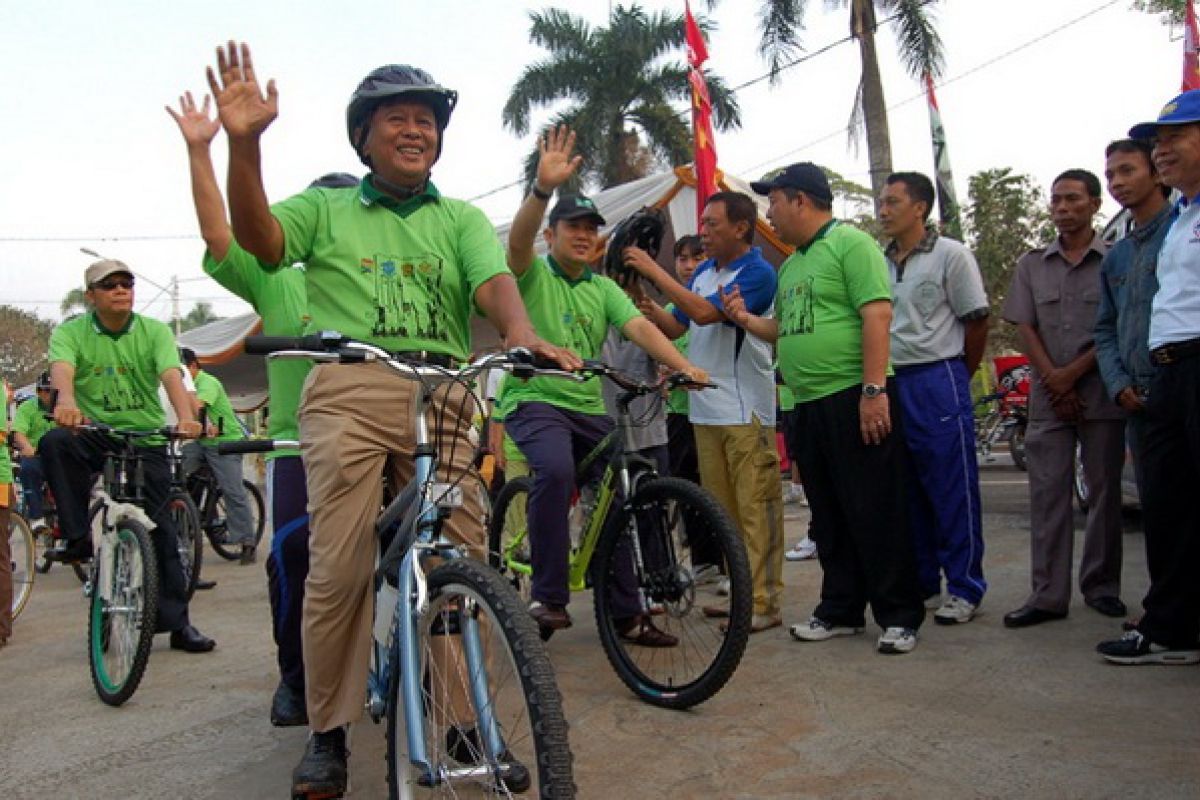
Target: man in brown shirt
{"x": 1053, "y": 301}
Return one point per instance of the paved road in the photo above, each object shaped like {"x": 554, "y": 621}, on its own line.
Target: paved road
{"x": 976, "y": 711}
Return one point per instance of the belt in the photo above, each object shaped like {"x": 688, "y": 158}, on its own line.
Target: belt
{"x": 1175, "y": 351}
{"x": 426, "y": 357}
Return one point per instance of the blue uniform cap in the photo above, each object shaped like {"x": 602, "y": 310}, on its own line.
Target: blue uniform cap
{"x": 1183, "y": 110}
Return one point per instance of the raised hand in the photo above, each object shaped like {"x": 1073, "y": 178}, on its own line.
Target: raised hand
{"x": 555, "y": 162}
{"x": 244, "y": 111}
{"x": 640, "y": 260}
{"x": 197, "y": 127}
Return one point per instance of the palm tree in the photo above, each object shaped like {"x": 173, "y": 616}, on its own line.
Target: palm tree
{"x": 618, "y": 89}
{"x": 920, "y": 50}
{"x": 73, "y": 304}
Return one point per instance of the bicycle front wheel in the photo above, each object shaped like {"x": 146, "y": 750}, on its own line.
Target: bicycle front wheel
{"x": 508, "y": 535}
{"x": 189, "y": 539}
{"x": 123, "y": 609}
{"x": 22, "y": 548}
{"x": 675, "y": 523}
{"x": 479, "y": 658}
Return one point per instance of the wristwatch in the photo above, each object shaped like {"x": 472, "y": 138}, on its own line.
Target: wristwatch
{"x": 873, "y": 390}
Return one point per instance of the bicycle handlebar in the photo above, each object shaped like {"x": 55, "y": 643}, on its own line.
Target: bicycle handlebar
{"x": 256, "y": 446}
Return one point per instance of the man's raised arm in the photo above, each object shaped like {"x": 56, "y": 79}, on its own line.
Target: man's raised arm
{"x": 246, "y": 114}
{"x": 555, "y": 165}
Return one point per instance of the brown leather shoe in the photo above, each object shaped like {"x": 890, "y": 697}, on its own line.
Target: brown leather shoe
{"x": 715, "y": 612}
{"x": 640, "y": 630}
{"x": 549, "y": 616}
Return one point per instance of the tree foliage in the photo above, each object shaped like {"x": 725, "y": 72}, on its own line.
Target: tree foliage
{"x": 1006, "y": 216}
{"x": 201, "y": 314}
{"x": 73, "y": 303}
{"x": 1172, "y": 10}
{"x": 24, "y": 342}
{"x": 615, "y": 85}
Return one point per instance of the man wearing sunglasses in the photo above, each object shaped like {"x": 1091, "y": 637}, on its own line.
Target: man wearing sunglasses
{"x": 106, "y": 367}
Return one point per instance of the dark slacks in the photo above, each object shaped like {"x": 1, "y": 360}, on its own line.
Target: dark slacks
{"x": 859, "y": 513}
{"x": 32, "y": 479}
{"x": 1169, "y": 445}
{"x": 71, "y": 461}
{"x": 287, "y": 564}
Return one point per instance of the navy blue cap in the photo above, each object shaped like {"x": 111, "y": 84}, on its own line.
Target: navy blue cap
{"x": 804, "y": 175}
{"x": 575, "y": 206}
{"x": 1183, "y": 110}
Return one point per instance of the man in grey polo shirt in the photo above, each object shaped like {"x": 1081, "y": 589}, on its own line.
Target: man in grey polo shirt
{"x": 938, "y": 333}
{"x": 1053, "y": 301}
{"x": 1170, "y": 432}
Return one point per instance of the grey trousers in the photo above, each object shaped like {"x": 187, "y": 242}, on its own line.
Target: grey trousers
{"x": 228, "y": 471}
{"x": 1050, "y": 447}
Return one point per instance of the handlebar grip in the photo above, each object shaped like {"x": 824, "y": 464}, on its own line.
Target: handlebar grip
{"x": 246, "y": 446}
{"x": 264, "y": 345}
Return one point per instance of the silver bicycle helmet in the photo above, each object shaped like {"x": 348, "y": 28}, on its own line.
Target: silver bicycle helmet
{"x": 391, "y": 81}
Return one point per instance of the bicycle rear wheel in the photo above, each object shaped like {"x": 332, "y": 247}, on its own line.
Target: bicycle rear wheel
{"x": 673, "y": 520}
{"x": 22, "y": 548}
{"x": 189, "y": 538}
{"x": 232, "y": 551}
{"x": 123, "y": 610}
{"x": 519, "y": 688}
{"x": 508, "y": 536}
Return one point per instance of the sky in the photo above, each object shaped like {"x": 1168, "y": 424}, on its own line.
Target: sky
{"x": 92, "y": 160}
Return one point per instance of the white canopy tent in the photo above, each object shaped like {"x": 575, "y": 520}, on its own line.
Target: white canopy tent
{"x": 219, "y": 344}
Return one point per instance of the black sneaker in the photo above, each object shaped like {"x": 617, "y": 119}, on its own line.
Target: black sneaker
{"x": 465, "y": 748}
{"x": 70, "y": 551}
{"x": 322, "y": 773}
{"x": 1134, "y": 648}
{"x": 288, "y": 708}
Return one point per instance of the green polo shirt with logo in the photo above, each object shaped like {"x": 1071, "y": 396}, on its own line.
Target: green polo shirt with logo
{"x": 279, "y": 298}
{"x": 6, "y": 476}
{"x": 211, "y": 393}
{"x": 398, "y": 274}
{"x": 117, "y": 372}
{"x": 677, "y": 399}
{"x": 571, "y": 313}
{"x": 821, "y": 288}
{"x": 30, "y": 420}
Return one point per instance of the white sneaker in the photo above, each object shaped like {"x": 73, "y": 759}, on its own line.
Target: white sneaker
{"x": 794, "y": 493}
{"x": 36, "y": 522}
{"x": 805, "y": 549}
{"x": 818, "y": 630}
{"x": 723, "y": 587}
{"x": 933, "y": 602}
{"x": 897, "y": 640}
{"x": 954, "y": 611}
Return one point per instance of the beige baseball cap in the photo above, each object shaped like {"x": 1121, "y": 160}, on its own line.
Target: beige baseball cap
{"x": 102, "y": 269}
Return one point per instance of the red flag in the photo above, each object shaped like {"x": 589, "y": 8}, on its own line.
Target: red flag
{"x": 705, "y": 155}
{"x": 1191, "y": 45}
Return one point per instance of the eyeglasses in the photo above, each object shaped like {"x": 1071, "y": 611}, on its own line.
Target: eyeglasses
{"x": 114, "y": 283}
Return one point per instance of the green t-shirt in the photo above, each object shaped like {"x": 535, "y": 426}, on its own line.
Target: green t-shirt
{"x": 821, "y": 288}
{"x": 402, "y": 276}
{"x": 211, "y": 393}
{"x": 677, "y": 399}
{"x": 5, "y": 459}
{"x": 279, "y": 298}
{"x": 117, "y": 372}
{"x": 575, "y": 314}
{"x": 31, "y": 421}
{"x": 787, "y": 399}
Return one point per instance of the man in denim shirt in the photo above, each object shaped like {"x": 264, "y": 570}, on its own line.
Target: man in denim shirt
{"x": 1129, "y": 280}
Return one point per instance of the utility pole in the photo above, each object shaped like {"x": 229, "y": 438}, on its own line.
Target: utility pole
{"x": 175, "y": 303}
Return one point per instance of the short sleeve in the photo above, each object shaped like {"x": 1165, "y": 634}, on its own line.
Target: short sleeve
{"x": 964, "y": 283}
{"x": 298, "y": 217}
{"x": 481, "y": 256}
{"x": 239, "y": 272}
{"x": 1018, "y": 304}
{"x": 618, "y": 308}
{"x": 163, "y": 349}
{"x": 865, "y": 272}
{"x": 64, "y": 345}
{"x": 756, "y": 282}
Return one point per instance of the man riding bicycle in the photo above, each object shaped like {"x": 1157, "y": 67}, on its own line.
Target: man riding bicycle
{"x": 394, "y": 263}
{"x": 29, "y": 425}
{"x": 106, "y": 367}
{"x": 555, "y": 424}
{"x": 227, "y": 468}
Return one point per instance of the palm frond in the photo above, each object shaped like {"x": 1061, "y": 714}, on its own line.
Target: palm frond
{"x": 780, "y": 23}
{"x": 856, "y": 124}
{"x": 920, "y": 46}
{"x": 727, "y": 114}
{"x": 541, "y": 84}
{"x": 559, "y": 31}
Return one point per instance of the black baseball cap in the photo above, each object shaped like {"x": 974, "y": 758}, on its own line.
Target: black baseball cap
{"x": 575, "y": 206}
{"x": 803, "y": 175}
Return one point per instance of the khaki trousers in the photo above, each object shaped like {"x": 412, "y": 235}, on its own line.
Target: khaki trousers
{"x": 740, "y": 466}
{"x": 355, "y": 423}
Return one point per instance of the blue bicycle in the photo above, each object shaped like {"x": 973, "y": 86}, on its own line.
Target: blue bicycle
{"x": 459, "y": 671}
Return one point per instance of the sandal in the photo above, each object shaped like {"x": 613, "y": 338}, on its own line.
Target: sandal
{"x": 640, "y": 630}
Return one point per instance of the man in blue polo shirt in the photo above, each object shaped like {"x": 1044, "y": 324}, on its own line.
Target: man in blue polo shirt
{"x": 734, "y": 423}
{"x": 1170, "y": 432}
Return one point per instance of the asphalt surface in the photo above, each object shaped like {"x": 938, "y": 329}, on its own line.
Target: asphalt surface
{"x": 976, "y": 711}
